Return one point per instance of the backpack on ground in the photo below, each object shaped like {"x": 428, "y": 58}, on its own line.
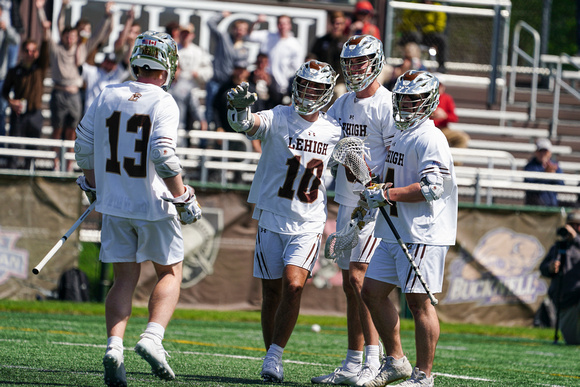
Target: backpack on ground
{"x": 73, "y": 285}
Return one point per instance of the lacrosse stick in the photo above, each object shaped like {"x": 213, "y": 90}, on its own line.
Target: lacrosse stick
{"x": 339, "y": 241}
{"x": 59, "y": 244}
{"x": 350, "y": 152}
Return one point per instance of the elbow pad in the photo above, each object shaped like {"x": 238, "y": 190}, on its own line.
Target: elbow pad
{"x": 166, "y": 162}
{"x": 241, "y": 121}
{"x": 432, "y": 187}
{"x": 84, "y": 154}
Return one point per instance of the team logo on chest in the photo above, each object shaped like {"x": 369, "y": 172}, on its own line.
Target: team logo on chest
{"x": 306, "y": 145}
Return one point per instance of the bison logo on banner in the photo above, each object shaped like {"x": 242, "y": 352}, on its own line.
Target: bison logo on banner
{"x": 502, "y": 270}
{"x": 13, "y": 261}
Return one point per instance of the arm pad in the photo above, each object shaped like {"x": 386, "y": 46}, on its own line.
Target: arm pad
{"x": 432, "y": 187}
{"x": 241, "y": 121}
{"x": 166, "y": 162}
{"x": 84, "y": 154}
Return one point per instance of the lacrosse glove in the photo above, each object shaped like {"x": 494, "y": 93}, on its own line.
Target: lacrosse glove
{"x": 89, "y": 191}
{"x": 362, "y": 214}
{"x": 188, "y": 208}
{"x": 239, "y": 101}
{"x": 376, "y": 195}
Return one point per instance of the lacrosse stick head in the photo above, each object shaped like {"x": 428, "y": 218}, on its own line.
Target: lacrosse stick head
{"x": 350, "y": 152}
{"x": 341, "y": 241}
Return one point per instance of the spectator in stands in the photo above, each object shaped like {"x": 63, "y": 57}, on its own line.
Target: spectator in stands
{"x": 174, "y": 29}
{"x": 195, "y": 70}
{"x": 284, "y": 53}
{"x": 542, "y": 162}
{"x": 65, "y": 59}
{"x": 8, "y": 36}
{"x": 25, "y": 81}
{"x": 411, "y": 61}
{"x": 96, "y": 78}
{"x": 327, "y": 48}
{"x": 444, "y": 114}
{"x": 427, "y": 28}
{"x": 562, "y": 264}
{"x": 124, "y": 43}
{"x": 230, "y": 46}
{"x": 362, "y": 22}
{"x": 261, "y": 81}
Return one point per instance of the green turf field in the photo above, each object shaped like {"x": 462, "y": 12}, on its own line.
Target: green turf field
{"x": 62, "y": 344}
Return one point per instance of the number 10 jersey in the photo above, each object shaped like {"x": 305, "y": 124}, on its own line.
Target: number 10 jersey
{"x": 289, "y": 179}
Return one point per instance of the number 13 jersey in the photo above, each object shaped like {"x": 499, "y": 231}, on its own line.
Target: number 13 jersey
{"x": 288, "y": 187}
{"x": 121, "y": 125}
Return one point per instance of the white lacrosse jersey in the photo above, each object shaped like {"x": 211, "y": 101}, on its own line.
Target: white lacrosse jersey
{"x": 372, "y": 120}
{"x": 414, "y": 153}
{"x": 121, "y": 124}
{"x": 288, "y": 187}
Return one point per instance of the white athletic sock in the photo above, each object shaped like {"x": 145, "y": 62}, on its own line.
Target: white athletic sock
{"x": 115, "y": 341}
{"x": 353, "y": 359}
{"x": 155, "y": 329}
{"x": 276, "y": 351}
{"x": 372, "y": 356}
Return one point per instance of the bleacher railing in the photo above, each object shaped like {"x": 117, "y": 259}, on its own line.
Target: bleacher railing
{"x": 483, "y": 171}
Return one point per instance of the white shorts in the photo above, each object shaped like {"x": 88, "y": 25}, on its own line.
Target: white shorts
{"x": 134, "y": 240}
{"x": 274, "y": 251}
{"x": 367, "y": 243}
{"x": 390, "y": 265}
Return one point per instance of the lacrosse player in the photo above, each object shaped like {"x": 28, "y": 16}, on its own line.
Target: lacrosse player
{"x": 364, "y": 112}
{"x": 290, "y": 196}
{"x": 421, "y": 194}
{"x": 126, "y": 148}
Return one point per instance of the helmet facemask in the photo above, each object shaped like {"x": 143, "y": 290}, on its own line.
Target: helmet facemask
{"x": 312, "y": 87}
{"x": 155, "y": 51}
{"x": 356, "y": 52}
{"x": 415, "y": 98}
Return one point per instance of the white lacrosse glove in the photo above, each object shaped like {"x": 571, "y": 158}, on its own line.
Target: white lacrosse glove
{"x": 89, "y": 191}
{"x": 239, "y": 101}
{"x": 376, "y": 195}
{"x": 188, "y": 208}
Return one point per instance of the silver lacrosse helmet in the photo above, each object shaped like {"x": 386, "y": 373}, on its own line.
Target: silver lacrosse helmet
{"x": 415, "y": 98}
{"x": 312, "y": 87}
{"x": 362, "y": 61}
{"x": 155, "y": 51}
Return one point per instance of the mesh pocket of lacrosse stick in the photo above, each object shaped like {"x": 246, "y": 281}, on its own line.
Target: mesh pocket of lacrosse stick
{"x": 340, "y": 241}
{"x": 350, "y": 152}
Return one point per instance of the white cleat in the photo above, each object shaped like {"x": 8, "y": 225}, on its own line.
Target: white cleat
{"x": 341, "y": 375}
{"x": 419, "y": 378}
{"x": 367, "y": 374}
{"x": 272, "y": 370}
{"x": 115, "y": 375}
{"x": 390, "y": 371}
{"x": 152, "y": 351}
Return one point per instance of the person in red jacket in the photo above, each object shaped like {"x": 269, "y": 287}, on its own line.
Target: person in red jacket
{"x": 444, "y": 114}
{"x": 362, "y": 23}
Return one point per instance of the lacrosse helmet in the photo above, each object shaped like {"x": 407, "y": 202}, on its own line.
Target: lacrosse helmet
{"x": 415, "y": 98}
{"x": 362, "y": 61}
{"x": 312, "y": 87}
{"x": 155, "y": 51}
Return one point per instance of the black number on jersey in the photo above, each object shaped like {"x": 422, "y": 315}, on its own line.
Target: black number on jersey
{"x": 136, "y": 122}
{"x": 391, "y": 179}
{"x": 307, "y": 191}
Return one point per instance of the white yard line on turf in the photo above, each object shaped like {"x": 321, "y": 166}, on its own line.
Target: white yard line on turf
{"x": 260, "y": 358}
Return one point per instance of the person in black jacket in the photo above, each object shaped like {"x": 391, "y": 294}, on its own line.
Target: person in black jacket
{"x": 562, "y": 264}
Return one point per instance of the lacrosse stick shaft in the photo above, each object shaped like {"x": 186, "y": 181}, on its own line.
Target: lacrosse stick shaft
{"x": 434, "y": 301}
{"x": 62, "y": 240}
